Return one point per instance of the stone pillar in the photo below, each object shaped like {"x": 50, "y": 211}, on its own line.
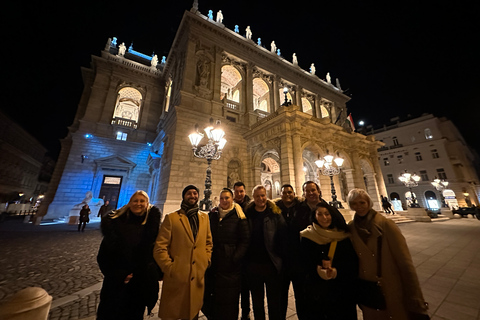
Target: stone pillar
{"x": 298, "y": 97}
{"x": 357, "y": 171}
{"x": 315, "y": 107}
{"x": 31, "y": 303}
{"x": 276, "y": 94}
{"x": 373, "y": 190}
{"x": 298, "y": 161}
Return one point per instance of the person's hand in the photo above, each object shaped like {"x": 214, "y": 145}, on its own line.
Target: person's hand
{"x": 327, "y": 274}
{"x": 128, "y": 278}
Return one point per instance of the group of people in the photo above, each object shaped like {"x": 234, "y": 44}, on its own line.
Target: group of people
{"x": 242, "y": 247}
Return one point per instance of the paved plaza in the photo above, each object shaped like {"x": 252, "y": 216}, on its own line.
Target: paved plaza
{"x": 63, "y": 262}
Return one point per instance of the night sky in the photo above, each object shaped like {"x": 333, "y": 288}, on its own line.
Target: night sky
{"x": 393, "y": 58}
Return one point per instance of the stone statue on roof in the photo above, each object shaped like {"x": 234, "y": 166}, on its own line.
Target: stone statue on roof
{"x": 236, "y": 29}
{"x": 329, "y": 79}
{"x": 219, "y": 16}
{"x": 121, "y": 49}
{"x": 248, "y": 33}
{"x": 312, "y": 69}
{"x": 273, "y": 47}
{"x": 154, "y": 61}
{"x": 210, "y": 14}
{"x": 294, "y": 59}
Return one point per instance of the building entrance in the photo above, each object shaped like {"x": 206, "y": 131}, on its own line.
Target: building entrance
{"x": 111, "y": 189}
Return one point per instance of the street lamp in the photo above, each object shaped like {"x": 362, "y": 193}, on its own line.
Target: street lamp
{"x": 327, "y": 168}
{"x": 410, "y": 181}
{"x": 286, "y": 103}
{"x": 210, "y": 151}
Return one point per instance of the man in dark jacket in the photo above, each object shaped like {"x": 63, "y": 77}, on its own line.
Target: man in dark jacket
{"x": 265, "y": 253}
{"x": 104, "y": 209}
{"x": 297, "y": 220}
{"x": 241, "y": 197}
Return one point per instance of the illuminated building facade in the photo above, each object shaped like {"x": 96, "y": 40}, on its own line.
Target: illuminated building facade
{"x": 133, "y": 121}
{"x": 432, "y": 148}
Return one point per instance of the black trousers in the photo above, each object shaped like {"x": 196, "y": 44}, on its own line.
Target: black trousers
{"x": 298, "y": 282}
{"x": 82, "y": 225}
{"x": 261, "y": 276}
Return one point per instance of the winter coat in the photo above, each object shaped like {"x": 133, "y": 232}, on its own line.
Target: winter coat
{"x": 84, "y": 215}
{"x": 127, "y": 248}
{"x": 399, "y": 281}
{"x": 223, "y": 279}
{"x": 274, "y": 232}
{"x": 296, "y": 219}
{"x": 184, "y": 261}
{"x": 335, "y": 298}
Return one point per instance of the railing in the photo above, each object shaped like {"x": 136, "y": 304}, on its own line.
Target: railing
{"x": 232, "y": 105}
{"x": 124, "y": 123}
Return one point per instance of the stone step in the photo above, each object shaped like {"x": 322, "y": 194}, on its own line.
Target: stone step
{"x": 397, "y": 218}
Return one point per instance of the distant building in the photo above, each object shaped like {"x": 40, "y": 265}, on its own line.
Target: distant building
{"x": 25, "y": 170}
{"x": 432, "y": 148}
{"x": 132, "y": 124}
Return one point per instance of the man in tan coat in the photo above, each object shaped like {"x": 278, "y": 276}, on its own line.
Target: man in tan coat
{"x": 183, "y": 250}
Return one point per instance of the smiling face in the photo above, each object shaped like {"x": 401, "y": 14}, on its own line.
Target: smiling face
{"x": 288, "y": 195}
{"x": 312, "y": 194}
{"x": 239, "y": 192}
{"x": 360, "y": 205}
{"x": 260, "y": 199}
{"x": 226, "y": 200}
{"x": 191, "y": 197}
{"x": 323, "y": 217}
{"x": 138, "y": 204}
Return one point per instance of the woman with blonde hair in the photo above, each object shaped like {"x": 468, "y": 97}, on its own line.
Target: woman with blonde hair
{"x": 125, "y": 258}
{"x": 385, "y": 265}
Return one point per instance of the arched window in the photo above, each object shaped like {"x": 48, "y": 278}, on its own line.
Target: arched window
{"x": 127, "y": 107}
{"x": 261, "y": 95}
{"x": 307, "y": 106}
{"x": 231, "y": 83}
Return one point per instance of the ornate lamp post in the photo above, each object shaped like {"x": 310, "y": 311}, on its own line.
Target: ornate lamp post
{"x": 212, "y": 150}
{"x": 286, "y": 102}
{"x": 327, "y": 168}
{"x": 440, "y": 185}
{"x": 410, "y": 181}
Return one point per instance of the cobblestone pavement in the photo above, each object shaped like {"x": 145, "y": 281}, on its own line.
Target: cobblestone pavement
{"x": 63, "y": 262}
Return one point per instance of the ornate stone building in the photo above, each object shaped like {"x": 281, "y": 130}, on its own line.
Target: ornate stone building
{"x": 133, "y": 121}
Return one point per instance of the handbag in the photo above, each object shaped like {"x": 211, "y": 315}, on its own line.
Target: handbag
{"x": 369, "y": 293}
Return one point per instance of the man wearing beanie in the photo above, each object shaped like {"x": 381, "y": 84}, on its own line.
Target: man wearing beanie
{"x": 183, "y": 251}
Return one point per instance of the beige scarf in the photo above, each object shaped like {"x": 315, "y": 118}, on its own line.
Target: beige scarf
{"x": 223, "y": 212}
{"x": 323, "y": 236}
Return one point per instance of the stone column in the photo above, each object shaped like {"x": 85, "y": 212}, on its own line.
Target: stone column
{"x": 276, "y": 94}
{"x": 298, "y": 161}
{"x": 298, "y": 97}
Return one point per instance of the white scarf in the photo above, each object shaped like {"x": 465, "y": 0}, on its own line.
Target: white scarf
{"x": 323, "y": 236}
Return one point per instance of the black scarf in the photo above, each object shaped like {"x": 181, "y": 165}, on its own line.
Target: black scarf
{"x": 192, "y": 214}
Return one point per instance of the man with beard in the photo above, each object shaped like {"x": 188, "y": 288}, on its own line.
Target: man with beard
{"x": 183, "y": 251}
{"x": 297, "y": 220}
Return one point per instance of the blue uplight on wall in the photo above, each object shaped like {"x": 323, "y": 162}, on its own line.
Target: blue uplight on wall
{"x": 149, "y": 144}
{"x": 88, "y": 136}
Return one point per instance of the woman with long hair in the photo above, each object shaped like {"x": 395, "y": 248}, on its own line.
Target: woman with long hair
{"x": 331, "y": 266}
{"x": 125, "y": 258}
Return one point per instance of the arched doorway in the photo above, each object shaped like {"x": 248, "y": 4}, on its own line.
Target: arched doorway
{"x": 431, "y": 199}
{"x": 270, "y": 175}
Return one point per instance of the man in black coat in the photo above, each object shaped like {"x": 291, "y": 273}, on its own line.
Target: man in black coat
{"x": 296, "y": 220}
{"x": 265, "y": 254}
{"x": 241, "y": 197}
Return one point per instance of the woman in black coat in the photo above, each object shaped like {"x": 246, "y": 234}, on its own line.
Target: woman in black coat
{"x": 125, "y": 258}
{"x": 331, "y": 266}
{"x": 230, "y": 235}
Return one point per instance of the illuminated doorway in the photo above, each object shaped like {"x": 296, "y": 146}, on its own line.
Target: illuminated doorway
{"x": 111, "y": 189}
